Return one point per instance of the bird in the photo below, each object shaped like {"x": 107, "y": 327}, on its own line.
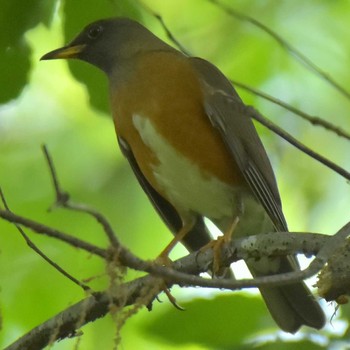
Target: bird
{"x": 194, "y": 150}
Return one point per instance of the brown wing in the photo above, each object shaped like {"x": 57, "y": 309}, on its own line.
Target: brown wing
{"x": 197, "y": 237}
{"x": 292, "y": 305}
{"x": 228, "y": 114}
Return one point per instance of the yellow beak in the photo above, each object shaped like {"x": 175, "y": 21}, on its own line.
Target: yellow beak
{"x": 64, "y": 52}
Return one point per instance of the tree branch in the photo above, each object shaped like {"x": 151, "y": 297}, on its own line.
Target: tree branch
{"x": 272, "y": 244}
{"x": 145, "y": 289}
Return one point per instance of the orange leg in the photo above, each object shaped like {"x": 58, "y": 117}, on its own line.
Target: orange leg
{"x": 178, "y": 238}
{"x": 163, "y": 258}
{"x": 217, "y": 246}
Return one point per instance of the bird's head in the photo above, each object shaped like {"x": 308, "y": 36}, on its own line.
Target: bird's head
{"x": 108, "y": 43}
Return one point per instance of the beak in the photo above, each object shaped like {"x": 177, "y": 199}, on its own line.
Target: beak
{"x": 64, "y": 52}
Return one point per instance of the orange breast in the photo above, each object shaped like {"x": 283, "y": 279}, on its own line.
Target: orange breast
{"x": 164, "y": 88}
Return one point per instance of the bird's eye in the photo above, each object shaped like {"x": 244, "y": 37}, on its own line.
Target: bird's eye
{"x": 94, "y": 32}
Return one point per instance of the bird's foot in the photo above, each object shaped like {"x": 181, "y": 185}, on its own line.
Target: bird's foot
{"x": 164, "y": 260}
{"x": 218, "y": 269}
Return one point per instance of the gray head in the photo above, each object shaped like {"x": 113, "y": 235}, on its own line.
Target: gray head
{"x": 108, "y": 43}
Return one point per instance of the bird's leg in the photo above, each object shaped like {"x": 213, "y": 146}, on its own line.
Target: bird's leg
{"x": 227, "y": 235}
{"x": 163, "y": 258}
{"x": 217, "y": 245}
{"x": 180, "y": 235}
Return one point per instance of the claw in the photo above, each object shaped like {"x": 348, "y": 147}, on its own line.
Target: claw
{"x": 218, "y": 269}
{"x": 172, "y": 299}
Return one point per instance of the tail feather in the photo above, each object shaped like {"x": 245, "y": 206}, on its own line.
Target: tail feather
{"x": 291, "y": 306}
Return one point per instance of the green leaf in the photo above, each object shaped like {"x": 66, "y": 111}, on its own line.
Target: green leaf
{"x": 224, "y": 322}
{"x": 17, "y": 17}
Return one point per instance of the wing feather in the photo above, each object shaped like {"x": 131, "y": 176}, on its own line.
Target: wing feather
{"x": 229, "y": 115}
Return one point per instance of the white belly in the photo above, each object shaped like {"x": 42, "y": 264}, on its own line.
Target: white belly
{"x": 186, "y": 186}
{"x": 190, "y": 190}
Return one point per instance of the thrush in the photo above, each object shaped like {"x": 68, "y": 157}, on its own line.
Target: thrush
{"x": 195, "y": 152}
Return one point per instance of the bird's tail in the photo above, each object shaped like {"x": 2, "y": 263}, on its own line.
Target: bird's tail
{"x": 293, "y": 305}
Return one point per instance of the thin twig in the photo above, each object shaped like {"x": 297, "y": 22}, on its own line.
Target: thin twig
{"x": 171, "y": 36}
{"x": 313, "y": 120}
{"x": 42, "y": 254}
{"x": 293, "y": 141}
{"x": 61, "y": 196}
{"x": 285, "y": 45}
{"x": 107, "y": 228}
{"x": 54, "y": 233}
{"x": 63, "y": 200}
{"x": 168, "y": 33}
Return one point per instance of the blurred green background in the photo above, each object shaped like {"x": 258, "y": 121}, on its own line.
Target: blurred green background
{"x": 65, "y": 106}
